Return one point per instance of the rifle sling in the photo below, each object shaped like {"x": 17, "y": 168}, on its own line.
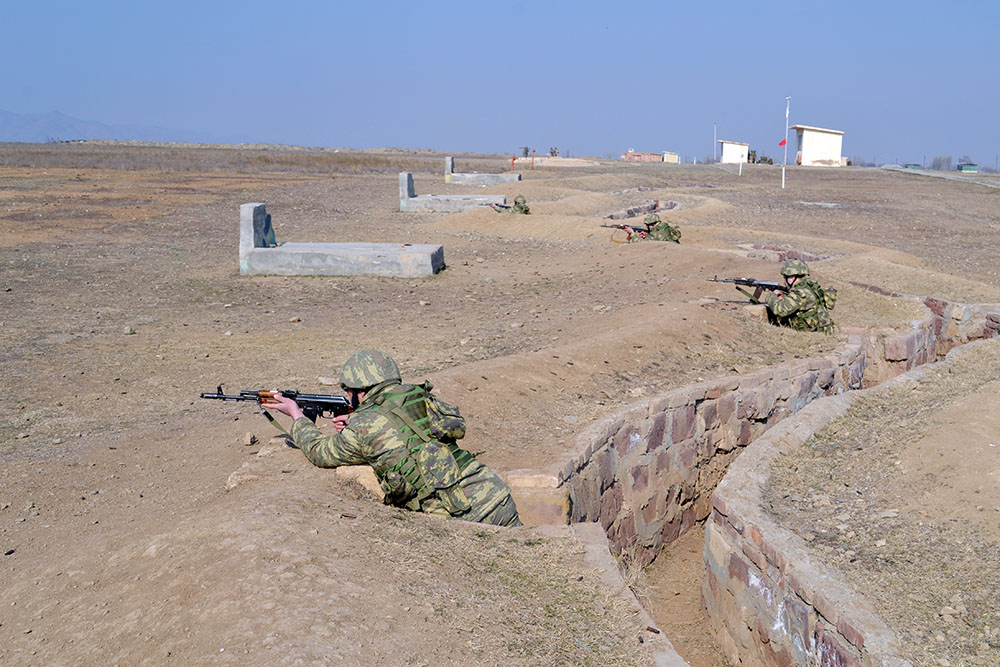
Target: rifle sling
{"x": 753, "y": 298}
{"x": 275, "y": 422}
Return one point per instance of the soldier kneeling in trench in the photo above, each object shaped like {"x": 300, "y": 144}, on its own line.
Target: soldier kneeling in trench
{"x": 408, "y": 437}
{"x": 806, "y": 305}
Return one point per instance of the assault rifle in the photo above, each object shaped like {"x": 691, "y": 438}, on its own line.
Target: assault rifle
{"x": 758, "y": 285}
{"x": 629, "y": 231}
{"x": 313, "y": 405}
{"x": 492, "y": 205}
{"x": 634, "y": 228}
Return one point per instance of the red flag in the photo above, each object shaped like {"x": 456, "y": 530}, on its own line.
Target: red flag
{"x": 783, "y": 142}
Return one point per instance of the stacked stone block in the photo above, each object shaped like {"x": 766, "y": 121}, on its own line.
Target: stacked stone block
{"x": 647, "y": 475}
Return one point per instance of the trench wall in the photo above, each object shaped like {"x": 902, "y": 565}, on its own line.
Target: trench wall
{"x": 769, "y": 601}
{"x": 765, "y": 597}
{"x": 647, "y": 473}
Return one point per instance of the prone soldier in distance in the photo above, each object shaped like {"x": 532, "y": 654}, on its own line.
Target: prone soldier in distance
{"x": 520, "y": 206}
{"x": 408, "y": 437}
{"x": 654, "y": 230}
{"x": 658, "y": 230}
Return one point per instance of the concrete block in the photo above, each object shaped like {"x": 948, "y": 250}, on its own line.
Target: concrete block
{"x": 410, "y": 201}
{"x": 255, "y": 229}
{"x": 542, "y": 507}
{"x": 475, "y": 179}
{"x": 345, "y": 259}
{"x": 260, "y": 254}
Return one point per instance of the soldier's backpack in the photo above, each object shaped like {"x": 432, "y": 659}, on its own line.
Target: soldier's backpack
{"x": 431, "y": 462}
{"x": 443, "y": 419}
{"x": 825, "y": 297}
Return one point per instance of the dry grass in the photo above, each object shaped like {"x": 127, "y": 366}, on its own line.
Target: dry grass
{"x": 544, "y": 609}
{"x": 235, "y": 159}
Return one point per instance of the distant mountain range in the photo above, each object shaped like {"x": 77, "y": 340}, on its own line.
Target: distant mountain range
{"x": 55, "y": 126}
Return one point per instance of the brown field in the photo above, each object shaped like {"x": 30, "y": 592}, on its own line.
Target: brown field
{"x": 122, "y": 544}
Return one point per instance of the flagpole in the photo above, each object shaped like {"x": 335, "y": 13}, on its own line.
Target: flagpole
{"x": 784, "y": 160}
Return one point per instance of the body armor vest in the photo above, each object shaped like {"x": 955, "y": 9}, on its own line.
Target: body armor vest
{"x": 426, "y": 465}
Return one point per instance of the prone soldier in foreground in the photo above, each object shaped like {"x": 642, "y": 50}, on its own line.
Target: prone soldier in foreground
{"x": 408, "y": 437}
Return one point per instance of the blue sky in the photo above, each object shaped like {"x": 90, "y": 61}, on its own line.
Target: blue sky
{"x": 904, "y": 80}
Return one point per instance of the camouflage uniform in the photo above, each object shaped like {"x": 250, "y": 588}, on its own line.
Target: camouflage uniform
{"x": 407, "y": 435}
{"x": 520, "y": 206}
{"x": 804, "y": 307}
{"x": 658, "y": 231}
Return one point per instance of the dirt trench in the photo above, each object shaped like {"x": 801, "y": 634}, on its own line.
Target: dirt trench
{"x": 648, "y": 476}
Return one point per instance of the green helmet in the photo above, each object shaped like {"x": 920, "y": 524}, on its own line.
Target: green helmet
{"x": 368, "y": 368}
{"x": 520, "y": 199}
{"x": 651, "y": 219}
{"x": 794, "y": 267}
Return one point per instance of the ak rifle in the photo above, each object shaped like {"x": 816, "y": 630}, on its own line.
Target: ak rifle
{"x": 758, "y": 286}
{"x": 312, "y": 405}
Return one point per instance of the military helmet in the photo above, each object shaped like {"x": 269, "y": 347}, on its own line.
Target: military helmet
{"x": 651, "y": 219}
{"x": 794, "y": 267}
{"x": 368, "y": 368}
{"x": 520, "y": 199}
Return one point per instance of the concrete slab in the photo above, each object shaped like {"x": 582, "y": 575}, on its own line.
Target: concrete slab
{"x": 410, "y": 201}
{"x": 475, "y": 179}
{"x": 260, "y": 254}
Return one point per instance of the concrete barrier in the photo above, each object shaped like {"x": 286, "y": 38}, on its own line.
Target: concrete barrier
{"x": 261, "y": 254}
{"x": 410, "y": 201}
{"x": 475, "y": 179}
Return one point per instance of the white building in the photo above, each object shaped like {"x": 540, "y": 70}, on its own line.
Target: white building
{"x": 733, "y": 152}
{"x": 818, "y": 147}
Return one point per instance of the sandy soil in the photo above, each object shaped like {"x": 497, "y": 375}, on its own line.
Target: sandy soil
{"x": 121, "y": 301}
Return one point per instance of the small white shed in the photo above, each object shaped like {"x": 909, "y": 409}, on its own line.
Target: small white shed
{"x": 818, "y": 146}
{"x": 734, "y": 152}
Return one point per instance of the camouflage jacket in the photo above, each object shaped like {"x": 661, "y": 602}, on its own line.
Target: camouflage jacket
{"x": 801, "y": 308}
{"x": 433, "y": 476}
{"x": 664, "y": 232}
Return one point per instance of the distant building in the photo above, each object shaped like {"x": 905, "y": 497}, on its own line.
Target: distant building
{"x": 967, "y": 167}
{"x": 636, "y": 156}
{"x": 734, "y": 152}
{"x": 912, "y": 165}
{"x": 671, "y": 158}
{"x": 818, "y": 147}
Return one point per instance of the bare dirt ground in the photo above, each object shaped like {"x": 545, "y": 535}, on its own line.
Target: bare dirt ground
{"x": 122, "y": 300}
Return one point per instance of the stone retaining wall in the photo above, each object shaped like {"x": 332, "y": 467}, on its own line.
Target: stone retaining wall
{"x": 647, "y": 472}
{"x": 766, "y": 598}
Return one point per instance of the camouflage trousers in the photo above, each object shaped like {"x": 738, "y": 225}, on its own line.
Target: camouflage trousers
{"x": 504, "y": 514}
